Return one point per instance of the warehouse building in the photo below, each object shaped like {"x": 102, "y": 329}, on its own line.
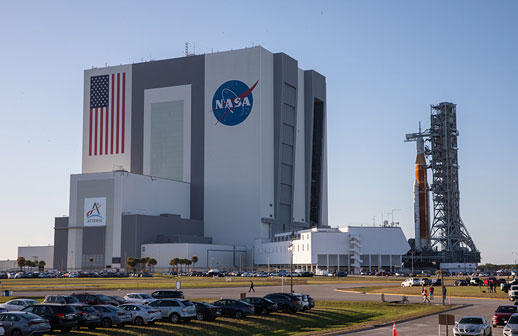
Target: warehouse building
{"x": 350, "y": 249}
{"x": 198, "y": 153}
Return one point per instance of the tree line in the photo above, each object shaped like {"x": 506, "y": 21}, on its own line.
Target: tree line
{"x": 141, "y": 264}
{"x": 25, "y": 263}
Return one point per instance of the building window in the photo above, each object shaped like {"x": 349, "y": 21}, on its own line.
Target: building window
{"x": 308, "y": 247}
{"x": 298, "y": 247}
{"x": 302, "y": 247}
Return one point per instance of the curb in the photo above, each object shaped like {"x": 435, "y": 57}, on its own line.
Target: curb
{"x": 415, "y": 295}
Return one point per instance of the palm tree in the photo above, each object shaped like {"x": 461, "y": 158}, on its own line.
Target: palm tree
{"x": 194, "y": 260}
{"x": 131, "y": 262}
{"x": 152, "y": 262}
{"x": 175, "y": 262}
{"x": 188, "y": 262}
{"x": 21, "y": 262}
{"x": 41, "y": 265}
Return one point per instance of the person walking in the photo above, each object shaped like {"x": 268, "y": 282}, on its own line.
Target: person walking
{"x": 431, "y": 292}
{"x": 251, "y": 287}
{"x": 424, "y": 294}
{"x": 444, "y": 291}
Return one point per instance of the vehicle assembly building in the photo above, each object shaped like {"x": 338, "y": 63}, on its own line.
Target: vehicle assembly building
{"x": 446, "y": 241}
{"x": 223, "y": 148}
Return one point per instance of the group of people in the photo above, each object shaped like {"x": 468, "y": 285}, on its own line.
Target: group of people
{"x": 492, "y": 287}
{"x": 427, "y": 294}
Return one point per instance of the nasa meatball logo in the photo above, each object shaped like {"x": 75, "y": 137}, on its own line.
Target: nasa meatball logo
{"x": 232, "y": 102}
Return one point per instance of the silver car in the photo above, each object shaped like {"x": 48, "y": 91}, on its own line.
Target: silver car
{"x": 175, "y": 310}
{"x": 304, "y": 300}
{"x": 511, "y": 328}
{"x": 22, "y": 324}
{"x": 141, "y": 314}
{"x": 472, "y": 326}
{"x": 18, "y": 304}
{"x": 111, "y": 315}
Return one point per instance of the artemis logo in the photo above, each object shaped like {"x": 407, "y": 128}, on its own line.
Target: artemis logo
{"x": 95, "y": 211}
{"x": 232, "y": 102}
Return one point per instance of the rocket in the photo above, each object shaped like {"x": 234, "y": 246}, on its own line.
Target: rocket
{"x": 421, "y": 202}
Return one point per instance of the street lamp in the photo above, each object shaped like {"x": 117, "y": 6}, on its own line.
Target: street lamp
{"x": 290, "y": 248}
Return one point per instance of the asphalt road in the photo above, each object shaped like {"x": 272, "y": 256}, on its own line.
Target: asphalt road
{"x": 421, "y": 326}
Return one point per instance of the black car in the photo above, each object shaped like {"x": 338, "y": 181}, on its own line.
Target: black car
{"x": 87, "y": 316}
{"x": 59, "y": 316}
{"x": 436, "y": 282}
{"x": 206, "y": 312}
{"x": 286, "y": 302}
{"x": 505, "y": 287}
{"x": 234, "y": 308}
{"x": 95, "y": 299}
{"x": 262, "y": 306}
{"x": 167, "y": 294}
{"x": 341, "y": 274}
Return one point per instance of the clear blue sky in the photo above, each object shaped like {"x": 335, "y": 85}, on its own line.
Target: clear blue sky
{"x": 385, "y": 63}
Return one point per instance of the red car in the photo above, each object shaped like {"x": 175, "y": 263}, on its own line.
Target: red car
{"x": 502, "y": 314}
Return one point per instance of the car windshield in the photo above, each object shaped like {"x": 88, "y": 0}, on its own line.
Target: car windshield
{"x": 187, "y": 303}
{"x": 146, "y": 296}
{"x": 64, "y": 309}
{"x": 71, "y": 299}
{"x": 104, "y": 297}
{"x": 89, "y": 309}
{"x": 513, "y": 320}
{"x": 471, "y": 320}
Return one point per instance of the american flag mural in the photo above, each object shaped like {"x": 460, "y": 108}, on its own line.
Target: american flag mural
{"x": 107, "y": 114}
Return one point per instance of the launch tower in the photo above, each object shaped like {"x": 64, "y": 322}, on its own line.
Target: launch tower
{"x": 448, "y": 238}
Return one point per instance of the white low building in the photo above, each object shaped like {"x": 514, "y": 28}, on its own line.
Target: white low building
{"x": 350, "y": 249}
{"x": 38, "y": 253}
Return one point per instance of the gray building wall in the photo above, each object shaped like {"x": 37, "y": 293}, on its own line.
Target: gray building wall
{"x": 60, "y": 242}
{"x": 141, "y": 229}
{"x": 172, "y": 72}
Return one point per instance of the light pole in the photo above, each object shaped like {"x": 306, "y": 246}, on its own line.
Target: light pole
{"x": 290, "y": 248}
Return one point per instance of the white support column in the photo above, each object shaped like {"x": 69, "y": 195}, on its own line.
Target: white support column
{"x": 338, "y": 263}
{"x": 327, "y": 256}
{"x": 370, "y": 262}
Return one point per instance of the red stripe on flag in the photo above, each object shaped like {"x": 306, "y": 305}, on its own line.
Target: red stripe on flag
{"x": 101, "y": 134}
{"x": 106, "y": 132}
{"x": 90, "y": 138}
{"x": 123, "y": 108}
{"x": 112, "y": 105}
{"x": 95, "y": 139}
{"x": 118, "y": 115}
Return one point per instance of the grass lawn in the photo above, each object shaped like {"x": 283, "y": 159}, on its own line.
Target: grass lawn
{"x": 466, "y": 291}
{"x": 161, "y": 282}
{"x": 327, "y": 316}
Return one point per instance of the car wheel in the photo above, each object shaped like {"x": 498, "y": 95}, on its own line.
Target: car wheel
{"x": 263, "y": 311}
{"x": 16, "y": 332}
{"x": 200, "y": 316}
{"x": 106, "y": 322}
{"x": 238, "y": 314}
{"x": 174, "y": 318}
{"x": 285, "y": 309}
{"x": 139, "y": 321}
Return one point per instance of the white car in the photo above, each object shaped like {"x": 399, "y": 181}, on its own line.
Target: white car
{"x": 175, "y": 310}
{"x": 142, "y": 314}
{"x": 139, "y": 298}
{"x": 511, "y": 328}
{"x": 472, "y": 326}
{"x": 411, "y": 282}
{"x": 513, "y": 293}
{"x": 2, "y": 331}
{"x": 18, "y": 304}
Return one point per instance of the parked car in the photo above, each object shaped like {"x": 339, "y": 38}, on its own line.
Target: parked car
{"x": 513, "y": 293}
{"x": 206, "y": 311}
{"x": 472, "y": 325}
{"x": 61, "y": 299}
{"x": 262, "y": 306}
{"x": 21, "y": 324}
{"x": 95, "y": 299}
{"x": 119, "y": 300}
{"x": 175, "y": 310}
{"x": 475, "y": 282}
{"x": 235, "y": 308}
{"x": 505, "y": 287}
{"x": 18, "y": 304}
{"x": 286, "y": 302}
{"x": 167, "y": 294}
{"x": 511, "y": 328}
{"x": 60, "y": 317}
{"x": 87, "y": 316}
{"x": 341, "y": 274}
{"x": 425, "y": 282}
{"x": 411, "y": 282}
{"x": 436, "y": 282}
{"x": 141, "y": 314}
{"x": 111, "y": 315}
{"x": 311, "y": 302}
{"x": 460, "y": 282}
{"x": 139, "y": 298}
{"x": 502, "y": 314}
{"x": 304, "y": 300}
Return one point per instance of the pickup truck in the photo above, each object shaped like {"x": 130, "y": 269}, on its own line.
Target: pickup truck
{"x": 513, "y": 293}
